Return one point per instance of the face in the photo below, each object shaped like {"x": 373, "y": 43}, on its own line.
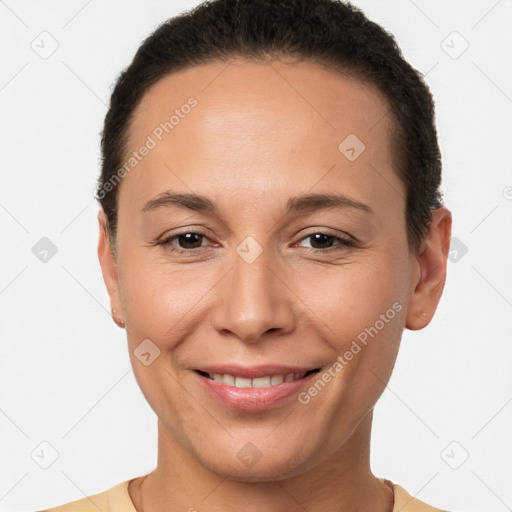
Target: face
{"x": 263, "y": 233}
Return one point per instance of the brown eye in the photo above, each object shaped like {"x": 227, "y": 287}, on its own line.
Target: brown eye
{"x": 321, "y": 241}
{"x": 324, "y": 242}
{"x": 189, "y": 240}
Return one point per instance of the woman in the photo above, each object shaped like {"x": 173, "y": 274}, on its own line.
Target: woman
{"x": 270, "y": 222}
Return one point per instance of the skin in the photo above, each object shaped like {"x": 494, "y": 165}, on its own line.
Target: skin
{"x": 260, "y": 134}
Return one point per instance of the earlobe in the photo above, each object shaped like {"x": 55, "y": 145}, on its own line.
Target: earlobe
{"x": 109, "y": 269}
{"x": 432, "y": 261}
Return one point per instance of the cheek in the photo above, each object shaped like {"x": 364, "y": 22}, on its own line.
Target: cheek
{"x": 354, "y": 297}
{"x": 360, "y": 312}
{"x": 159, "y": 300}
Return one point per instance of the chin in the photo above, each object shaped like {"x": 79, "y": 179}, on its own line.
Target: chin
{"x": 265, "y": 469}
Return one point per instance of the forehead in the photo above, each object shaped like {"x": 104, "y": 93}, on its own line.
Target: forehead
{"x": 301, "y": 88}
{"x": 259, "y": 125}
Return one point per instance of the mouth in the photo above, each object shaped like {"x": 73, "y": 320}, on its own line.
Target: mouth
{"x": 254, "y": 389}
{"x": 264, "y": 381}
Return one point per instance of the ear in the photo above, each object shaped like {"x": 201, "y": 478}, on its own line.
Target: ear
{"x": 431, "y": 262}
{"x": 109, "y": 269}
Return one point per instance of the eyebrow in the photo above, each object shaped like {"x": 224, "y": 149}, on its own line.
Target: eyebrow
{"x": 307, "y": 202}
{"x": 190, "y": 201}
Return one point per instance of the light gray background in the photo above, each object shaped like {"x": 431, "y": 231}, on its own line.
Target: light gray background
{"x": 65, "y": 374}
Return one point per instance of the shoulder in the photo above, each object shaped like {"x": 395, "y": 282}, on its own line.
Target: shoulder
{"x": 115, "y": 499}
{"x": 404, "y": 502}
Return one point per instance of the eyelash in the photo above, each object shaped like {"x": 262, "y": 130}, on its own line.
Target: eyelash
{"x": 343, "y": 243}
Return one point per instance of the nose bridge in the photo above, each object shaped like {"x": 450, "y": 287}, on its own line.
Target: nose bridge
{"x": 253, "y": 300}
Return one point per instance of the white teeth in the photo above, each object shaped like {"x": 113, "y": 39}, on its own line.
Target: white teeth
{"x": 276, "y": 380}
{"x": 240, "y": 382}
{"x": 259, "y": 382}
{"x": 229, "y": 380}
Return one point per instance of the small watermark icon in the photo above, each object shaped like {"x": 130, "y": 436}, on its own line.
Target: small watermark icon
{"x": 351, "y": 147}
{"x": 249, "y": 454}
{"x": 249, "y": 249}
{"x": 44, "y": 250}
{"x": 146, "y": 352}
{"x": 454, "y": 45}
{"x": 455, "y": 455}
{"x": 45, "y": 45}
{"x": 44, "y": 455}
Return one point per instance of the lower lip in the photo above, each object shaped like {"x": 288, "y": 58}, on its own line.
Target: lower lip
{"x": 253, "y": 399}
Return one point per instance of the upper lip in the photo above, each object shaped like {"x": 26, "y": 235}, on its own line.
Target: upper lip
{"x": 253, "y": 372}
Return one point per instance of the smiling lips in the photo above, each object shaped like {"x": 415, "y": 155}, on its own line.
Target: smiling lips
{"x": 258, "y": 382}
{"x": 253, "y": 388}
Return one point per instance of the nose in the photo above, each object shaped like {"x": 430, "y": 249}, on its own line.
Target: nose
{"x": 254, "y": 300}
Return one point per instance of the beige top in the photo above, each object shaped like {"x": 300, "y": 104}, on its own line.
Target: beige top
{"x": 117, "y": 499}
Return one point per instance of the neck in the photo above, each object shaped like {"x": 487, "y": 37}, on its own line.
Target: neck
{"x": 342, "y": 482}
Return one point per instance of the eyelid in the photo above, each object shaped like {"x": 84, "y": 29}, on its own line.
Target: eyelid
{"x": 346, "y": 238}
{"x": 184, "y": 231}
